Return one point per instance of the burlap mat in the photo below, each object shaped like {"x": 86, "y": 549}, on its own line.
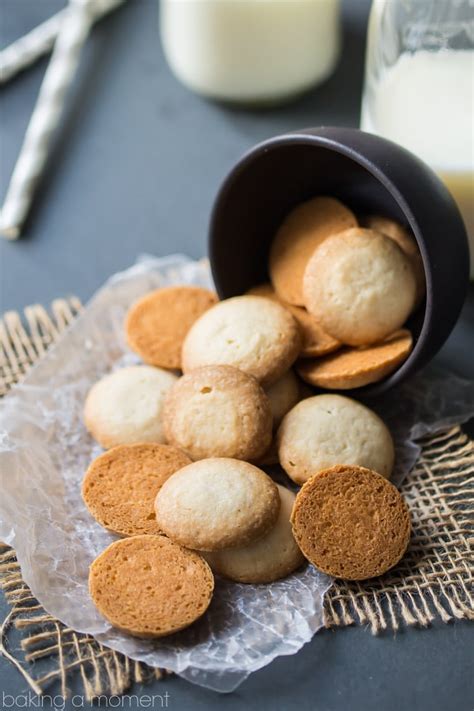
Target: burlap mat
{"x": 433, "y": 582}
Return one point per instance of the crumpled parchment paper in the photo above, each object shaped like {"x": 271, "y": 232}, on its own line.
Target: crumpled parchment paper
{"x": 45, "y": 450}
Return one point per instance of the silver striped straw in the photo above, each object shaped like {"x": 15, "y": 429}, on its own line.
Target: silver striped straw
{"x": 58, "y": 77}
{"x": 28, "y": 49}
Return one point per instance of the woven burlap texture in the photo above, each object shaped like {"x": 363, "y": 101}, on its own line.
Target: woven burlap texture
{"x": 434, "y": 580}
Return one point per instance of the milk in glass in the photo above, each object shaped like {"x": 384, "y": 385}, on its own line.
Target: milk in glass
{"x": 425, "y": 102}
{"x": 250, "y": 51}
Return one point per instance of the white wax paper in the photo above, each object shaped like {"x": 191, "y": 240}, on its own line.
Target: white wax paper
{"x": 45, "y": 450}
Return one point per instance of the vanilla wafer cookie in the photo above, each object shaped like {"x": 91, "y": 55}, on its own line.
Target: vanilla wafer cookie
{"x": 359, "y": 286}
{"x": 351, "y": 523}
{"x": 217, "y": 503}
{"x": 325, "y": 430}
{"x": 120, "y": 486}
{"x": 157, "y": 324}
{"x": 272, "y": 557}
{"x": 149, "y": 586}
{"x": 218, "y": 411}
{"x": 125, "y": 406}
{"x": 251, "y": 333}
{"x": 307, "y": 226}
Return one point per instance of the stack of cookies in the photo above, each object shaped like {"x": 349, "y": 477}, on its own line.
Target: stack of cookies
{"x": 217, "y": 398}
{"x": 351, "y": 284}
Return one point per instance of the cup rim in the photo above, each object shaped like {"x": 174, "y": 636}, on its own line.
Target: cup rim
{"x": 305, "y": 137}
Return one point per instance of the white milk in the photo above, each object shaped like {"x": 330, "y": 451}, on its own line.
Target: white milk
{"x": 425, "y": 102}
{"x": 250, "y": 51}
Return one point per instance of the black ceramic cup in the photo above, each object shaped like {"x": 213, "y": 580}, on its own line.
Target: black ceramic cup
{"x": 371, "y": 175}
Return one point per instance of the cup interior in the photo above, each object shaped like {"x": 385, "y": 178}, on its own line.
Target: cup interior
{"x": 267, "y": 185}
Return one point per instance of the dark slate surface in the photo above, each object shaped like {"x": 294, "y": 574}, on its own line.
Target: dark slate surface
{"x": 135, "y": 169}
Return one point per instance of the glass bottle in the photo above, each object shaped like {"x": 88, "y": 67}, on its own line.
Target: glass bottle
{"x": 419, "y": 88}
{"x": 250, "y": 51}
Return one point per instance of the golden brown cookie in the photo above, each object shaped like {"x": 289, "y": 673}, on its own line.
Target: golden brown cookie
{"x": 272, "y": 557}
{"x": 125, "y": 406}
{"x": 218, "y": 411}
{"x": 157, "y": 324}
{"x": 329, "y": 429}
{"x": 283, "y": 395}
{"x": 407, "y": 243}
{"x": 316, "y": 342}
{"x": 355, "y": 367}
{"x": 270, "y": 458}
{"x": 359, "y": 286}
{"x": 121, "y": 485}
{"x": 217, "y": 503}
{"x": 302, "y": 231}
{"x": 351, "y": 523}
{"x": 149, "y": 586}
{"x": 266, "y": 290}
{"x": 251, "y": 333}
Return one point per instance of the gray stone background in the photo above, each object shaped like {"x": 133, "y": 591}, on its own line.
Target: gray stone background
{"x": 135, "y": 169}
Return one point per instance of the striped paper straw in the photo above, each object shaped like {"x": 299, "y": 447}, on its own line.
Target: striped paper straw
{"x": 26, "y": 50}
{"x": 47, "y": 113}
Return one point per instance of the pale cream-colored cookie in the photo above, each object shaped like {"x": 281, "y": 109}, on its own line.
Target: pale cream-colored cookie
{"x": 149, "y": 586}
{"x": 316, "y": 342}
{"x": 283, "y": 395}
{"x": 218, "y": 411}
{"x": 407, "y": 243}
{"x": 251, "y": 333}
{"x": 272, "y": 557}
{"x": 217, "y": 503}
{"x": 355, "y": 367}
{"x": 157, "y": 324}
{"x": 351, "y": 523}
{"x": 270, "y": 458}
{"x": 308, "y": 225}
{"x": 120, "y": 486}
{"x": 125, "y": 406}
{"x": 360, "y": 286}
{"x": 325, "y": 430}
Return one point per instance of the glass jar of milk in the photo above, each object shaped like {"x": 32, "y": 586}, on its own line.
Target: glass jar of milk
{"x": 419, "y": 88}
{"x": 250, "y": 51}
